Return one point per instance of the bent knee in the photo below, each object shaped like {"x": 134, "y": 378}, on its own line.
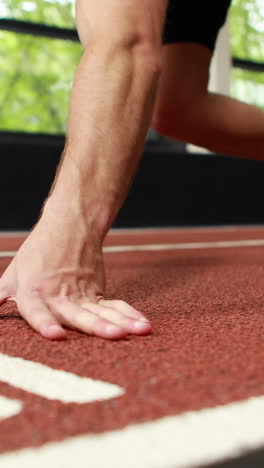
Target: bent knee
{"x": 124, "y": 23}
{"x": 176, "y": 119}
{"x": 180, "y": 117}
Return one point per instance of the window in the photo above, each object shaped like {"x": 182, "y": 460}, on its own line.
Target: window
{"x": 38, "y": 40}
{"x": 35, "y": 93}
{"x": 247, "y": 46}
{"x": 58, "y": 13}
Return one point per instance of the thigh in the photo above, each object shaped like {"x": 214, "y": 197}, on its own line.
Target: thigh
{"x": 110, "y": 19}
{"x": 184, "y": 76}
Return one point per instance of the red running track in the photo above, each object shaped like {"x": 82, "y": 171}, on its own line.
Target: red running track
{"x": 206, "y": 351}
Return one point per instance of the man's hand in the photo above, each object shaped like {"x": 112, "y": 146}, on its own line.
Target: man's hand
{"x": 57, "y": 279}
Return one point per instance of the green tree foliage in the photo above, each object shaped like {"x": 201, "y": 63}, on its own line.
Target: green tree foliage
{"x": 50, "y": 12}
{"x": 37, "y": 72}
{"x": 247, "y": 42}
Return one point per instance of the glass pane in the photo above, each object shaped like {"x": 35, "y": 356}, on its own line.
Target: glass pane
{"x": 247, "y": 34}
{"x": 247, "y": 29}
{"x": 49, "y": 12}
{"x": 34, "y": 93}
{"x": 35, "y": 82}
{"x": 248, "y": 86}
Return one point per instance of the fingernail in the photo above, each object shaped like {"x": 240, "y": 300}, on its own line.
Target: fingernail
{"x": 144, "y": 320}
{"x": 141, "y": 324}
{"x": 55, "y": 330}
{"x": 11, "y": 298}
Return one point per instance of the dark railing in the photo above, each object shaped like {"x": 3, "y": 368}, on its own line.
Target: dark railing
{"x": 36, "y": 29}
{"x": 249, "y": 65}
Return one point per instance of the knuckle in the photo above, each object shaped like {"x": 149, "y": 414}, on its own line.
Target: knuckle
{"x": 59, "y": 299}
{"x": 34, "y": 290}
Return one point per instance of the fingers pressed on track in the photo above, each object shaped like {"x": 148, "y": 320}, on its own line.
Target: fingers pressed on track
{"x": 118, "y": 318}
{"x": 77, "y": 317}
{"x": 36, "y": 313}
{"x": 123, "y": 307}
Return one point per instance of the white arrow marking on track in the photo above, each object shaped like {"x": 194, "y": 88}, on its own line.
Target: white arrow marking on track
{"x": 54, "y": 384}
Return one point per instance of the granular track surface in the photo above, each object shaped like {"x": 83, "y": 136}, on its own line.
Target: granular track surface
{"x": 191, "y": 392}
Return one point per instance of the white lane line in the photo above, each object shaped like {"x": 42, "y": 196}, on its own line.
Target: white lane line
{"x": 177, "y": 246}
{"x": 188, "y": 440}
{"x": 9, "y": 407}
{"x": 8, "y": 253}
{"x": 155, "y": 229}
{"x": 13, "y": 233}
{"x": 185, "y": 246}
{"x": 54, "y": 384}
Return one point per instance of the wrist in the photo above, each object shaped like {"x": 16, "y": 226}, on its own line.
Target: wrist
{"x": 91, "y": 217}
{"x": 72, "y": 197}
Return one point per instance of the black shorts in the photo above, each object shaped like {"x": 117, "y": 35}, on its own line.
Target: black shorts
{"x": 195, "y": 21}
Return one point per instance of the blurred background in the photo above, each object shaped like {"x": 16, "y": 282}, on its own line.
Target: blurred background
{"x": 177, "y": 184}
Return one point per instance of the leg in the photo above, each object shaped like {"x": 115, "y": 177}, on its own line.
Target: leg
{"x": 57, "y": 277}
{"x": 185, "y": 110}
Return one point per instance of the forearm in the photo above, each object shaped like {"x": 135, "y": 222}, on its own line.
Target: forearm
{"x": 110, "y": 110}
